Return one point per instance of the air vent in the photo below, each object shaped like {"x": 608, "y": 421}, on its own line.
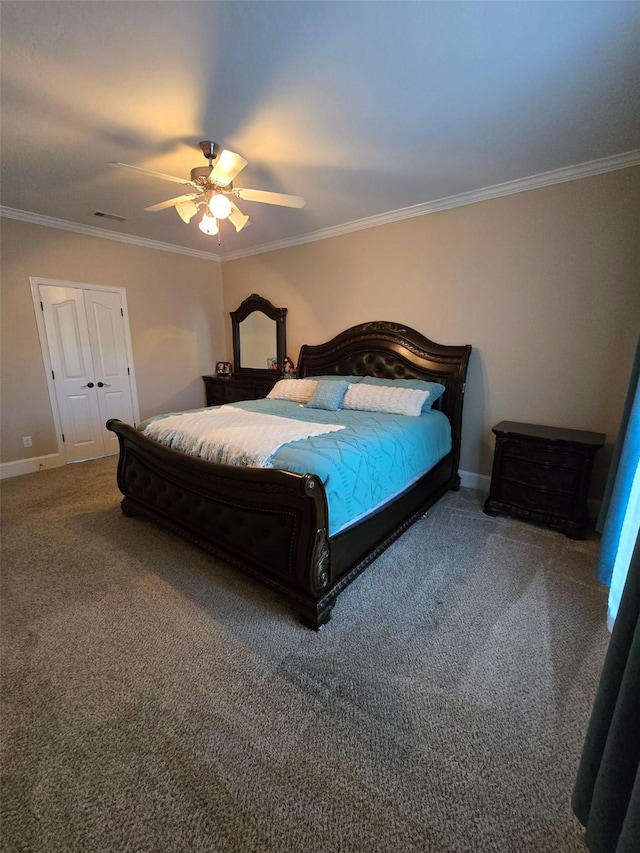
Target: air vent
{"x": 113, "y": 216}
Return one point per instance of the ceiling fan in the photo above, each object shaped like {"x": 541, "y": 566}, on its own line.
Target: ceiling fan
{"x": 212, "y": 188}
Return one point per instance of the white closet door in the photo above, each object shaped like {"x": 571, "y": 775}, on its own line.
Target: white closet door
{"x": 86, "y": 341}
{"x": 110, "y": 363}
{"x": 73, "y": 374}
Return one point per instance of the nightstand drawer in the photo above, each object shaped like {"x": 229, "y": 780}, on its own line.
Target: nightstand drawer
{"x": 233, "y": 389}
{"x": 543, "y": 476}
{"x": 524, "y": 497}
{"x": 235, "y": 393}
{"x": 542, "y": 455}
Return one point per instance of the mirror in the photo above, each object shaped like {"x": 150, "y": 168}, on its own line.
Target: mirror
{"x": 258, "y": 342}
{"x": 259, "y": 336}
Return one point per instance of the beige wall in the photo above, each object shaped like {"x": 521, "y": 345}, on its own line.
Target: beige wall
{"x": 175, "y": 316}
{"x": 544, "y": 284}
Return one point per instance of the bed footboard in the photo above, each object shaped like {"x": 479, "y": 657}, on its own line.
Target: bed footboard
{"x": 270, "y": 523}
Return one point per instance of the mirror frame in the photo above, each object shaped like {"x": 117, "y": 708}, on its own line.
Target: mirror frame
{"x": 259, "y": 303}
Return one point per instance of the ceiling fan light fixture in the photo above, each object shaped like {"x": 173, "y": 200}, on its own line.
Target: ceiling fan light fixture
{"x": 209, "y": 225}
{"x": 220, "y": 206}
{"x": 212, "y": 188}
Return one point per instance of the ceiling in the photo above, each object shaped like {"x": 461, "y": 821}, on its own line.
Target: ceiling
{"x": 363, "y": 108}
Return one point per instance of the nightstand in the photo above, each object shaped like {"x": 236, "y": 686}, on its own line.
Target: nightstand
{"x": 542, "y": 474}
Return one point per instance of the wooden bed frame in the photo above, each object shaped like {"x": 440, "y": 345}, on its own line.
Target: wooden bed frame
{"x": 274, "y": 523}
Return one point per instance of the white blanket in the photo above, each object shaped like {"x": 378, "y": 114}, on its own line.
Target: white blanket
{"x": 232, "y": 436}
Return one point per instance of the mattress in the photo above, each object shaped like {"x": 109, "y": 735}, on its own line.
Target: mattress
{"x": 363, "y": 466}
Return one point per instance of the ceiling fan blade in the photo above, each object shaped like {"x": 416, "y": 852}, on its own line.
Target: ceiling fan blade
{"x": 186, "y": 210}
{"x": 270, "y": 198}
{"x": 171, "y": 202}
{"x": 237, "y": 218}
{"x": 227, "y": 167}
{"x": 151, "y": 173}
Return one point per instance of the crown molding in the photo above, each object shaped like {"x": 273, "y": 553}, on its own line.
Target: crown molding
{"x": 543, "y": 179}
{"x": 557, "y": 176}
{"x": 92, "y": 231}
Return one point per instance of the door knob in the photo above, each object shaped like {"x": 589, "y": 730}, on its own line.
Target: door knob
{"x": 88, "y": 385}
{"x": 103, "y": 385}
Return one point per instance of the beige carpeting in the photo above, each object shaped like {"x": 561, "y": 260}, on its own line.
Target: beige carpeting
{"x": 157, "y": 700}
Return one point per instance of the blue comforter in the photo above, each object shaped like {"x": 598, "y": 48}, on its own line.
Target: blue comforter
{"x": 365, "y": 465}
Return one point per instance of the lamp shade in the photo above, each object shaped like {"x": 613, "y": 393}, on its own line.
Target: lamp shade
{"x": 209, "y": 225}
{"x": 186, "y": 209}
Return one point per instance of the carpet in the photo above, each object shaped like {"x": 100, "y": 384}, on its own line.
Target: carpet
{"x": 155, "y": 699}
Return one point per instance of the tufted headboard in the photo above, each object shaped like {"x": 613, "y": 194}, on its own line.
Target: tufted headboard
{"x": 392, "y": 351}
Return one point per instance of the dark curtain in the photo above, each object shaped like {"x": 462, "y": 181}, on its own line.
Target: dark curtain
{"x": 606, "y": 798}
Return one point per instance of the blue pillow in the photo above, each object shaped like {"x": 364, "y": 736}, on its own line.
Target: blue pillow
{"x": 434, "y": 388}
{"x": 328, "y": 395}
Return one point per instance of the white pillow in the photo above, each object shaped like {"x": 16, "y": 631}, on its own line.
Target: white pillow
{"x": 295, "y": 390}
{"x": 378, "y": 398}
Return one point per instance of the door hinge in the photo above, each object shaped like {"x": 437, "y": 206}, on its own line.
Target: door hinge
{"x": 121, "y": 313}
{"x": 128, "y": 372}
{"x": 63, "y": 438}
{"x": 53, "y": 376}
{"x": 41, "y": 306}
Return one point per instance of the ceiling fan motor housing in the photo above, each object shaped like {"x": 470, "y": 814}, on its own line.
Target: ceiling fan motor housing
{"x": 210, "y": 149}
{"x": 200, "y": 172}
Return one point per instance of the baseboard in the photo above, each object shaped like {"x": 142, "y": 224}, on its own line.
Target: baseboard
{"x": 470, "y": 480}
{"x": 30, "y": 466}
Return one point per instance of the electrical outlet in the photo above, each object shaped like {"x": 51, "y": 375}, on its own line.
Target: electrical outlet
{"x": 26, "y": 440}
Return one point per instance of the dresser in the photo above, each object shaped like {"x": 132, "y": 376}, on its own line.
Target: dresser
{"x": 542, "y": 474}
{"x": 220, "y": 390}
